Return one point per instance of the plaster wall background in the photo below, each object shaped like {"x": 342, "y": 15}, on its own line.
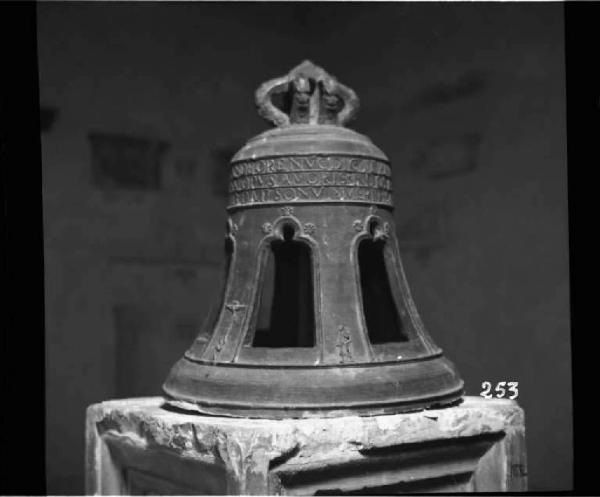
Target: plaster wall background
{"x": 468, "y": 101}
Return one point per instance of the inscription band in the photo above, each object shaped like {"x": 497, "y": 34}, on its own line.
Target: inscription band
{"x": 310, "y": 179}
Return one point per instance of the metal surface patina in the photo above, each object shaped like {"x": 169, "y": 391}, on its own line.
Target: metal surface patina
{"x": 315, "y": 317}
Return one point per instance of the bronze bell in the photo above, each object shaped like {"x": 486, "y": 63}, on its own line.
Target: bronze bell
{"x": 316, "y": 317}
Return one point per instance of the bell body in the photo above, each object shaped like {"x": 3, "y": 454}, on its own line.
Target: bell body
{"x": 315, "y": 316}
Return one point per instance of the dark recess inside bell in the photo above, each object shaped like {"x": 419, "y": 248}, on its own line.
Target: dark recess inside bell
{"x": 286, "y": 311}
{"x": 379, "y": 308}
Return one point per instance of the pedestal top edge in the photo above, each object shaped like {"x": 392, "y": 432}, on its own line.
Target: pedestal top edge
{"x": 469, "y": 401}
{"x": 492, "y": 415}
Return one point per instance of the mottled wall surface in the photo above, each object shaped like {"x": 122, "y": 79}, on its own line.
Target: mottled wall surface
{"x": 467, "y": 101}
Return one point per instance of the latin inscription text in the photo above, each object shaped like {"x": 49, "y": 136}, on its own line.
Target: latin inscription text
{"x": 310, "y": 178}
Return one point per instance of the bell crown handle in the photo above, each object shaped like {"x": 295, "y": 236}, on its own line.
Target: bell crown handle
{"x": 308, "y": 95}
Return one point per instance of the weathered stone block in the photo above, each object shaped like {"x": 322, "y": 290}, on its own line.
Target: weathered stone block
{"x": 135, "y": 447}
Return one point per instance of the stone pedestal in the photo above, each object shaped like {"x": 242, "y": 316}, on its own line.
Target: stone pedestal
{"x": 136, "y": 447}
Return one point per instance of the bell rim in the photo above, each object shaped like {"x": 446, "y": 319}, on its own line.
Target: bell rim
{"x": 225, "y": 410}
{"x": 188, "y": 381}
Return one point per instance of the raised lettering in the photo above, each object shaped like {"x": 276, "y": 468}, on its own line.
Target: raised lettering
{"x": 310, "y": 178}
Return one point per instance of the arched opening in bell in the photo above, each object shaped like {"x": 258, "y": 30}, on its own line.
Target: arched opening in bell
{"x": 286, "y": 304}
{"x": 379, "y": 307}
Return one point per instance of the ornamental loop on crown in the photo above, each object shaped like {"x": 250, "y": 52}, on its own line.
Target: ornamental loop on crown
{"x": 313, "y": 97}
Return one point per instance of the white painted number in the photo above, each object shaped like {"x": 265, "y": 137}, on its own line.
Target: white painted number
{"x": 500, "y": 390}
{"x": 487, "y": 386}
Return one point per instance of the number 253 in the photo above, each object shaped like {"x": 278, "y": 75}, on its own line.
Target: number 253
{"x": 500, "y": 390}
